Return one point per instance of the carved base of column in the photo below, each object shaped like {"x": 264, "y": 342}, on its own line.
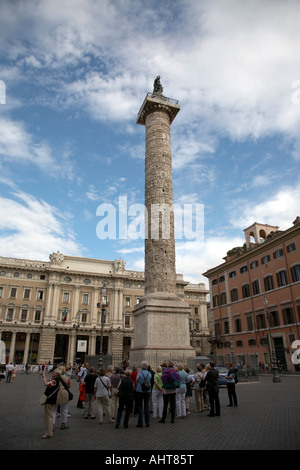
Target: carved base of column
{"x": 161, "y": 330}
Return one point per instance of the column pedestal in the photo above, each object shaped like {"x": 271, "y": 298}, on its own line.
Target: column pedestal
{"x": 161, "y": 330}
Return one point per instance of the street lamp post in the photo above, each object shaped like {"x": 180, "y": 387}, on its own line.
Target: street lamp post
{"x": 276, "y": 378}
{"x": 76, "y": 326}
{"x": 103, "y": 304}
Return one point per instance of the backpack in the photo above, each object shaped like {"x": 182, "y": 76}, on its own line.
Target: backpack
{"x": 236, "y": 380}
{"x": 201, "y": 383}
{"x": 168, "y": 382}
{"x": 145, "y": 385}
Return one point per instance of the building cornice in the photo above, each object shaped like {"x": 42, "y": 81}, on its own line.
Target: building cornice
{"x": 254, "y": 251}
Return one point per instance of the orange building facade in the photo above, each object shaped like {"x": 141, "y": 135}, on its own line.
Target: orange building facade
{"x": 255, "y": 299}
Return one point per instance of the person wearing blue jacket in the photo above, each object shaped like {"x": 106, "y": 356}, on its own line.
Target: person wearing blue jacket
{"x": 143, "y": 390}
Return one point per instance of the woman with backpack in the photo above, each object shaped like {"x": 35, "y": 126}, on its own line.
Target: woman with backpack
{"x": 143, "y": 389}
{"x": 171, "y": 381}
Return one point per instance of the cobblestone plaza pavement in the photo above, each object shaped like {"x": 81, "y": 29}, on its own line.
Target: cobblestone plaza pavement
{"x": 267, "y": 418}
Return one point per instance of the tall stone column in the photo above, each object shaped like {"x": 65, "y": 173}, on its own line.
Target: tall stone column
{"x": 161, "y": 319}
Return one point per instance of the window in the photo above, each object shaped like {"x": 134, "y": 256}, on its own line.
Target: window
{"x": 85, "y": 299}
{"x": 261, "y": 321}
{"x": 246, "y": 291}
{"x": 23, "y": 315}
{"x": 268, "y": 281}
{"x": 215, "y": 282}
{"x": 290, "y": 248}
{"x": 218, "y": 331}
{"x": 37, "y": 316}
{"x": 1, "y": 292}
{"x": 13, "y": 292}
{"x": 273, "y": 318}
{"x": 10, "y": 314}
{"x": 234, "y": 295}
{"x": 232, "y": 274}
{"x": 292, "y": 338}
{"x": 29, "y": 276}
{"x": 223, "y": 298}
{"x": 295, "y": 270}
{"x": 196, "y": 311}
{"x": 138, "y": 300}
{"x": 42, "y": 277}
{"x": 66, "y": 297}
{"x": 40, "y": 294}
{"x": 254, "y": 264}
{"x": 222, "y": 279}
{"x": 84, "y": 317}
{"x": 26, "y": 294}
{"x": 281, "y": 278}
{"x": 226, "y": 327}
{"x": 16, "y": 274}
{"x": 127, "y": 321}
{"x": 278, "y": 253}
{"x": 243, "y": 269}
{"x": 252, "y": 342}
{"x": 215, "y": 301}
{"x": 127, "y": 301}
{"x": 250, "y": 323}
{"x": 239, "y": 343}
{"x": 263, "y": 341}
{"x": 288, "y": 315}
{"x": 238, "y": 325}
{"x": 265, "y": 259}
{"x": 256, "y": 287}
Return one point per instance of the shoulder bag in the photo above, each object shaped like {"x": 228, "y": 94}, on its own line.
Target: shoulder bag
{"x": 108, "y": 392}
{"x": 145, "y": 385}
{"x": 44, "y": 398}
{"x": 67, "y": 388}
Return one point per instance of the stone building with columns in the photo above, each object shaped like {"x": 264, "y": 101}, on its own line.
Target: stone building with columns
{"x": 49, "y": 311}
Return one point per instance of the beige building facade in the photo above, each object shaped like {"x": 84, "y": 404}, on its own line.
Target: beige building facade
{"x": 49, "y": 311}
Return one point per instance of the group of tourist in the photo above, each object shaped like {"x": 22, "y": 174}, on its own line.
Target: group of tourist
{"x": 137, "y": 392}
{"x": 7, "y": 373}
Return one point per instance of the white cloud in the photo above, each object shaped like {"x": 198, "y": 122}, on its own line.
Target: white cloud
{"x": 19, "y": 146}
{"x": 193, "y": 259}
{"x": 280, "y": 209}
{"x": 33, "y": 229}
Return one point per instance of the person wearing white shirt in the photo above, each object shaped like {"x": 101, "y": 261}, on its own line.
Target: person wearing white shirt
{"x": 102, "y": 391}
{"x": 9, "y": 370}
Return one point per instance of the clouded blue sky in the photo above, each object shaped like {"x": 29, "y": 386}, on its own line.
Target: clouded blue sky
{"x": 76, "y": 73}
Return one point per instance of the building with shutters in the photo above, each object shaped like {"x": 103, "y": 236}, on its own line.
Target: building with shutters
{"x": 255, "y": 298}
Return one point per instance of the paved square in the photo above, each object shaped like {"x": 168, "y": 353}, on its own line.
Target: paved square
{"x": 267, "y": 418}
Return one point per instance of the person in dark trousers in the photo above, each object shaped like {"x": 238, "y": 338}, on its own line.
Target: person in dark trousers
{"x": 231, "y": 385}
{"x": 90, "y": 402}
{"x": 126, "y": 390}
{"x": 212, "y": 388}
